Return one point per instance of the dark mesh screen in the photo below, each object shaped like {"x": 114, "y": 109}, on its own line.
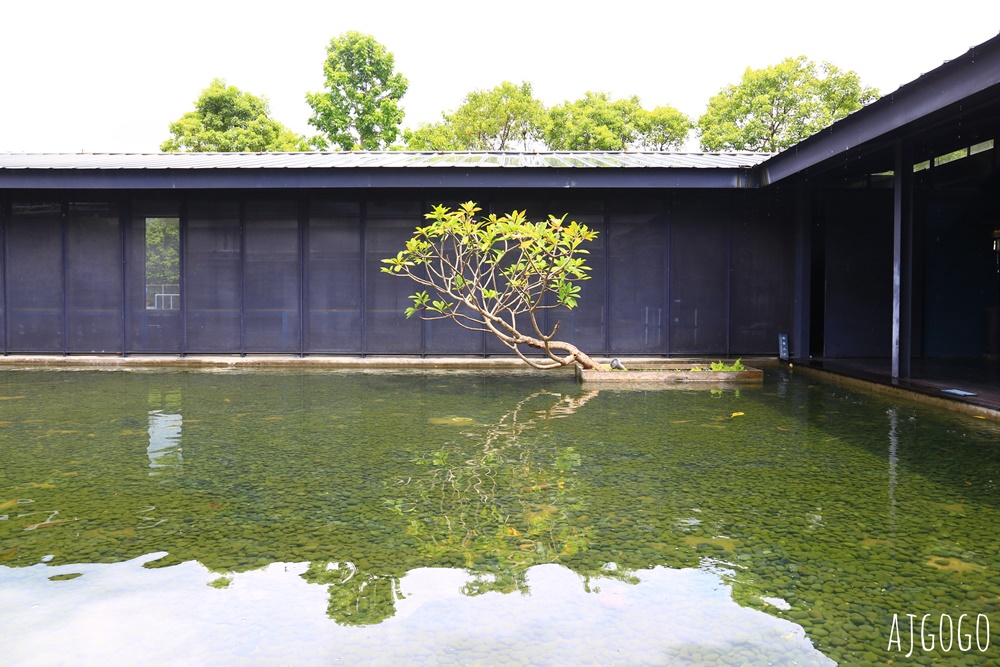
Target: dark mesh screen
{"x": 707, "y": 275}
{"x": 93, "y": 278}
{"x": 35, "y": 278}
{"x": 334, "y": 277}
{"x": 3, "y": 270}
{"x": 271, "y": 277}
{"x": 699, "y": 276}
{"x": 446, "y": 337}
{"x": 584, "y": 325}
{"x": 387, "y": 331}
{"x": 761, "y": 287}
{"x": 152, "y": 286}
{"x": 859, "y": 256}
{"x": 212, "y": 277}
{"x": 637, "y": 281}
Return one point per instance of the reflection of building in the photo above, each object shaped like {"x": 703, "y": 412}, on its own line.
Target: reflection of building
{"x": 164, "y": 439}
{"x": 873, "y": 238}
{"x": 165, "y": 424}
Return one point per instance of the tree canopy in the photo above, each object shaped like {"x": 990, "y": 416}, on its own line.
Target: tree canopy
{"x": 595, "y": 122}
{"x": 227, "y": 119}
{"x": 498, "y": 275}
{"x": 778, "y": 106}
{"x": 506, "y": 117}
{"x": 661, "y": 129}
{"x": 360, "y": 107}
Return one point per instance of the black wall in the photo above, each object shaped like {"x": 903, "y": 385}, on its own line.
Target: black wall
{"x": 686, "y": 272}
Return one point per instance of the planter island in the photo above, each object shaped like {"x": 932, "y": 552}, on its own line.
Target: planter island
{"x": 673, "y": 375}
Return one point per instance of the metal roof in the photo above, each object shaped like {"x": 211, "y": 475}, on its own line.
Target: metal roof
{"x": 961, "y": 94}
{"x": 380, "y": 160}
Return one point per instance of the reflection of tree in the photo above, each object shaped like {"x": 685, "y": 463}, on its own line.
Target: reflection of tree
{"x": 356, "y": 598}
{"x": 494, "y": 502}
{"x": 505, "y": 506}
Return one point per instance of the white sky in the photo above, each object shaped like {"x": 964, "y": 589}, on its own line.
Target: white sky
{"x": 110, "y": 75}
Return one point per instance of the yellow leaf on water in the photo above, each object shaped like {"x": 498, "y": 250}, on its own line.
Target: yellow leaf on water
{"x": 736, "y": 414}
{"x": 8, "y": 504}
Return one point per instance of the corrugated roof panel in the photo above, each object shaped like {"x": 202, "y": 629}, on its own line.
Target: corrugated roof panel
{"x": 383, "y": 160}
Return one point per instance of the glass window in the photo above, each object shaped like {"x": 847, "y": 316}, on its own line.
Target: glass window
{"x": 153, "y": 282}
{"x": 163, "y": 263}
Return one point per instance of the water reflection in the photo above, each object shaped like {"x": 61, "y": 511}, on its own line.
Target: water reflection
{"x": 495, "y": 501}
{"x": 164, "y": 448}
{"x": 410, "y": 509}
{"x": 165, "y": 423}
{"x": 669, "y": 617}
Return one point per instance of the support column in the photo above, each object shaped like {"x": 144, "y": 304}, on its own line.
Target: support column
{"x": 902, "y": 260}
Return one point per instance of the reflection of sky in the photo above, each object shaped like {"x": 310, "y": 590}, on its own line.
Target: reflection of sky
{"x": 126, "y": 614}
{"x": 164, "y": 439}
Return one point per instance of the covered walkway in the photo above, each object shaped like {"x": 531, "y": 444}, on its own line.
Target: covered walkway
{"x": 973, "y": 381}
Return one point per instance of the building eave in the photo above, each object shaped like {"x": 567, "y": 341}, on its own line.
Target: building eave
{"x": 950, "y": 88}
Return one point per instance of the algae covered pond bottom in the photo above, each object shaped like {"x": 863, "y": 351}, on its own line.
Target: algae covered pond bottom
{"x": 470, "y": 518}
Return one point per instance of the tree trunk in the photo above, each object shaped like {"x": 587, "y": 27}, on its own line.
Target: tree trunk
{"x": 574, "y": 354}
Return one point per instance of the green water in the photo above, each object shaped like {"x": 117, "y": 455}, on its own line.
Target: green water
{"x": 275, "y": 518}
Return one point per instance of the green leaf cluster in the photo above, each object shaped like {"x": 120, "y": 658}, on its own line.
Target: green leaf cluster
{"x": 509, "y": 117}
{"x": 720, "y": 366}
{"x": 359, "y": 110}
{"x": 227, "y": 119}
{"x": 484, "y": 273}
{"x": 778, "y": 106}
{"x": 506, "y": 117}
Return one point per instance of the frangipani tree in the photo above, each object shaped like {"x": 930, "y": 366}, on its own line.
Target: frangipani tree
{"x": 498, "y": 274}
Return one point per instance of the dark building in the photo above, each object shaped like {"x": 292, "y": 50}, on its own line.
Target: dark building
{"x": 877, "y": 237}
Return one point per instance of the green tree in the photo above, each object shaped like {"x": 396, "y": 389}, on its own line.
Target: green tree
{"x": 593, "y": 123}
{"x": 162, "y": 251}
{"x": 360, "y": 107}
{"x": 438, "y": 136}
{"x": 503, "y": 118}
{"x": 661, "y": 129}
{"x": 226, "y": 119}
{"x": 778, "y": 106}
{"x": 498, "y": 275}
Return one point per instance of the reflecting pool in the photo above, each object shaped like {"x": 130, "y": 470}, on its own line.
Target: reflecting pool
{"x": 472, "y": 518}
